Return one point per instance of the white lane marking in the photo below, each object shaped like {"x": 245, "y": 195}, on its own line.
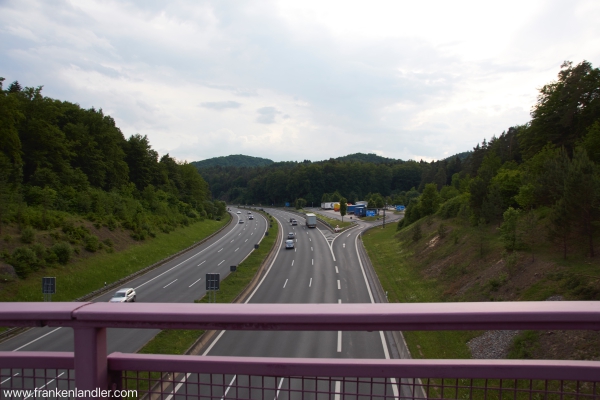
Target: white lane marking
{"x": 252, "y": 234}
{"x": 344, "y": 245}
{"x": 278, "y": 388}
{"x": 294, "y": 249}
{"x": 310, "y": 239}
{"x": 245, "y": 240}
{"x": 336, "y": 270}
{"x": 229, "y": 387}
{"x": 201, "y": 263}
{"x": 195, "y": 282}
{"x": 310, "y": 283}
{"x": 339, "y": 344}
{"x": 231, "y": 241}
{"x": 285, "y": 283}
{"x": 8, "y": 379}
{"x": 220, "y": 250}
{"x": 383, "y": 341}
{"x": 312, "y": 261}
{"x": 236, "y": 249}
{"x": 170, "y": 283}
{"x": 311, "y": 249}
{"x": 339, "y": 288}
{"x": 292, "y": 263}
{"x": 35, "y": 340}
{"x": 349, "y": 235}
{"x": 337, "y": 390}
{"x": 47, "y": 383}
{"x": 221, "y": 263}
{"x": 239, "y": 233}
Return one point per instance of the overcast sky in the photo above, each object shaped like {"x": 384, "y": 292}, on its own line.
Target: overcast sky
{"x": 295, "y": 80}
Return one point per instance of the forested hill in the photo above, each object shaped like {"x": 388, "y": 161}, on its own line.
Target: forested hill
{"x": 235, "y": 160}
{"x": 370, "y": 158}
{"x": 59, "y": 161}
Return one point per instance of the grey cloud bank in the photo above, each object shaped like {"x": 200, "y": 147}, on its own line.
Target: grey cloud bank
{"x": 291, "y": 81}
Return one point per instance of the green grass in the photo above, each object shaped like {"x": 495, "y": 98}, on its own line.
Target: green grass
{"x": 333, "y": 222}
{"x": 80, "y": 278}
{"x": 404, "y": 284}
{"x": 178, "y": 341}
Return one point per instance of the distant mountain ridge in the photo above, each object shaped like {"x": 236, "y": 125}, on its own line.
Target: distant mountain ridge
{"x": 234, "y": 160}
{"x": 242, "y": 161}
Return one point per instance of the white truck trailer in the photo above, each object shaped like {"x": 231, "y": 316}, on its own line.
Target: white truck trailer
{"x": 311, "y": 220}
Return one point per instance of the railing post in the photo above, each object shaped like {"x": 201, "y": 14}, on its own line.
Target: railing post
{"x": 91, "y": 365}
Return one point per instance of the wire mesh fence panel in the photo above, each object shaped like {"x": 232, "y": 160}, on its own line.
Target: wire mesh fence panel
{"x": 19, "y": 383}
{"x": 181, "y": 385}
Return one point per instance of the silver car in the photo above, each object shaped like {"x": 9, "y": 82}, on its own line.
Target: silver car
{"x": 125, "y": 295}
{"x": 289, "y": 244}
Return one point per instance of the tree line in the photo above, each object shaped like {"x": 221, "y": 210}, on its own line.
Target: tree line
{"x": 58, "y": 159}
{"x": 543, "y": 175}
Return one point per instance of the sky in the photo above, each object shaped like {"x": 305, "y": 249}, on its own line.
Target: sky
{"x": 299, "y": 80}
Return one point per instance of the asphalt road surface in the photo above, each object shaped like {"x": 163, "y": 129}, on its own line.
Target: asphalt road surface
{"x": 181, "y": 280}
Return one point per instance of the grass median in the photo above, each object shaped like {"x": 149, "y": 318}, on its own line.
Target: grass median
{"x": 179, "y": 341}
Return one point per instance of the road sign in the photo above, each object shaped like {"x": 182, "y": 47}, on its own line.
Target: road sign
{"x": 48, "y": 285}
{"x": 400, "y": 208}
{"x": 213, "y": 281}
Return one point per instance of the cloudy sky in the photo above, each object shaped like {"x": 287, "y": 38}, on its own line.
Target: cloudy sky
{"x": 295, "y": 80}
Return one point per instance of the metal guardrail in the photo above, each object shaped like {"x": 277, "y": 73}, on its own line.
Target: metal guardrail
{"x": 165, "y": 376}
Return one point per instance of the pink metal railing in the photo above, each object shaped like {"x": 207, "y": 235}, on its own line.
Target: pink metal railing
{"x": 237, "y": 377}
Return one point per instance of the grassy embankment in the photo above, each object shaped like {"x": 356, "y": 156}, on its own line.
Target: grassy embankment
{"x": 178, "y": 341}
{"x": 467, "y": 263}
{"x": 84, "y": 276}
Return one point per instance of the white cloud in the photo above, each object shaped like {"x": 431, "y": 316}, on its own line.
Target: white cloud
{"x": 300, "y": 80}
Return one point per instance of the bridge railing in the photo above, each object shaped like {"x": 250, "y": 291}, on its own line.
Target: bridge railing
{"x": 90, "y": 368}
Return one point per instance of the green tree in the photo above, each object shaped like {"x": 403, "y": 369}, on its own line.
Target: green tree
{"x": 559, "y": 227}
{"x": 430, "y": 200}
{"x": 343, "y": 207}
{"x": 508, "y": 229}
{"x": 300, "y": 203}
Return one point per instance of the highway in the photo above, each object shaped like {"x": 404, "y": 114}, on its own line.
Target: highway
{"x": 181, "y": 280}
{"x": 323, "y": 267}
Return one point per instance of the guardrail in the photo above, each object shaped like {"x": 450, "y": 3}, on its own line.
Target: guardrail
{"x": 164, "y": 376}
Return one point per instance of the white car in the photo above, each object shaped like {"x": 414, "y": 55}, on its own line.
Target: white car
{"x": 289, "y": 244}
{"x": 239, "y": 212}
{"x": 125, "y": 295}
{"x": 291, "y": 235}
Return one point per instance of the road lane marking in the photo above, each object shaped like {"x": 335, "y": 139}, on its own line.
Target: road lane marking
{"x": 195, "y": 282}
{"x": 278, "y": 388}
{"x": 232, "y": 240}
{"x": 339, "y": 344}
{"x": 201, "y": 263}
{"x": 311, "y": 249}
{"x": 285, "y": 283}
{"x": 8, "y": 379}
{"x": 245, "y": 240}
{"x": 339, "y": 288}
{"x": 236, "y": 249}
{"x": 294, "y": 249}
{"x": 344, "y": 245}
{"x": 220, "y": 250}
{"x": 221, "y": 263}
{"x": 310, "y": 283}
{"x": 35, "y": 340}
{"x": 252, "y": 234}
{"x": 349, "y": 235}
{"x": 170, "y": 283}
{"x": 337, "y": 390}
{"x": 312, "y": 261}
{"x": 310, "y": 239}
{"x": 229, "y": 387}
{"x": 336, "y": 270}
{"x": 292, "y": 263}
{"x": 47, "y": 383}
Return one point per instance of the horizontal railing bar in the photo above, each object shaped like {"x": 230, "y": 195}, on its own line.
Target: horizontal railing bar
{"x": 564, "y": 315}
{"x": 37, "y": 359}
{"x": 404, "y": 368}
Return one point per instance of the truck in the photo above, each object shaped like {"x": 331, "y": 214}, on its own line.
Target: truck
{"x": 311, "y": 220}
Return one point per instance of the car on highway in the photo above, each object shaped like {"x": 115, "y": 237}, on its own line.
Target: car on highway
{"x": 250, "y": 217}
{"x": 289, "y": 244}
{"x": 294, "y": 222}
{"x": 239, "y": 212}
{"x": 241, "y": 221}
{"x": 249, "y": 212}
{"x": 125, "y": 295}
{"x": 291, "y": 235}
